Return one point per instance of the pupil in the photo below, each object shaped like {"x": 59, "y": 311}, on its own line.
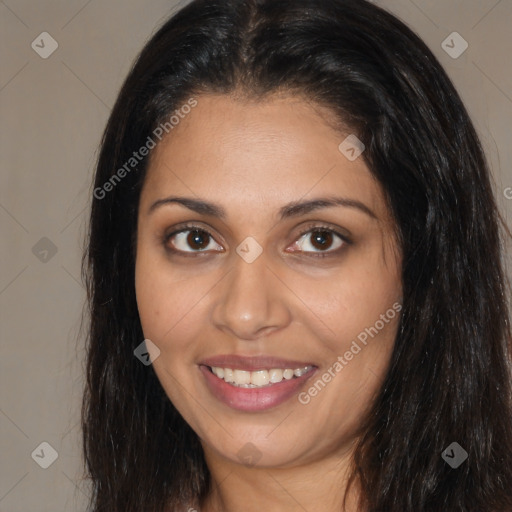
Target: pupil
{"x": 194, "y": 239}
{"x": 322, "y": 238}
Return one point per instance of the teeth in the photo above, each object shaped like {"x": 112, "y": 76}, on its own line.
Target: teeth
{"x": 258, "y": 378}
{"x": 228, "y": 374}
{"x": 288, "y": 374}
{"x": 276, "y": 375}
{"x": 241, "y": 377}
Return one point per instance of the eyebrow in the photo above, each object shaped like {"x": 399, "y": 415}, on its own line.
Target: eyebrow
{"x": 293, "y": 209}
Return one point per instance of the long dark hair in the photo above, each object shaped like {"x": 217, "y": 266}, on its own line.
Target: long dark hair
{"x": 449, "y": 379}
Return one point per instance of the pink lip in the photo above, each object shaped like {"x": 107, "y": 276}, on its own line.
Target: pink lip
{"x": 254, "y": 399}
{"x": 251, "y": 363}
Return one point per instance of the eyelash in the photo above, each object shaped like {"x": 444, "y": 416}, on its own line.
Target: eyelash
{"x": 309, "y": 229}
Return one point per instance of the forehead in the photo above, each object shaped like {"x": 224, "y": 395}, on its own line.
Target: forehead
{"x": 247, "y": 154}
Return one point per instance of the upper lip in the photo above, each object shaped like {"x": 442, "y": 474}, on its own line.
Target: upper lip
{"x": 253, "y": 362}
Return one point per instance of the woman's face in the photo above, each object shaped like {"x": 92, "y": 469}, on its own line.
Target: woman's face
{"x": 294, "y": 270}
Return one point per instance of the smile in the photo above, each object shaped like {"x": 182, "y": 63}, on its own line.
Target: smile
{"x": 254, "y": 384}
{"x": 258, "y": 378}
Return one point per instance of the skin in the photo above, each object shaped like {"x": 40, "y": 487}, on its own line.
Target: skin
{"x": 252, "y": 158}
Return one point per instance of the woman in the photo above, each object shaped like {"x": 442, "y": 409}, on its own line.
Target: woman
{"x": 297, "y": 300}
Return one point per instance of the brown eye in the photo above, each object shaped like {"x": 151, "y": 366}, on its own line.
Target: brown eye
{"x": 321, "y": 239}
{"x": 197, "y": 239}
{"x": 318, "y": 241}
{"x": 191, "y": 240}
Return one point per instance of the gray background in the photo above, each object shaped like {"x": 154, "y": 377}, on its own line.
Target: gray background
{"x": 53, "y": 112}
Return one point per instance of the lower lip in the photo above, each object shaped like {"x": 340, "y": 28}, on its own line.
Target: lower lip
{"x": 253, "y": 399}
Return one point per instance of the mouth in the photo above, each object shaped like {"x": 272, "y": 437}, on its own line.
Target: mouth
{"x": 254, "y": 384}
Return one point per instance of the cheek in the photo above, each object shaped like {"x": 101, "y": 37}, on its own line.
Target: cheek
{"x": 350, "y": 305}
{"x": 168, "y": 303}
{"x": 156, "y": 296}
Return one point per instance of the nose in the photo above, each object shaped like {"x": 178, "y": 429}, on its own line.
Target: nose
{"x": 251, "y": 301}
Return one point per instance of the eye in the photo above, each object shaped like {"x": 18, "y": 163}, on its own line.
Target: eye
{"x": 190, "y": 239}
{"x": 319, "y": 240}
